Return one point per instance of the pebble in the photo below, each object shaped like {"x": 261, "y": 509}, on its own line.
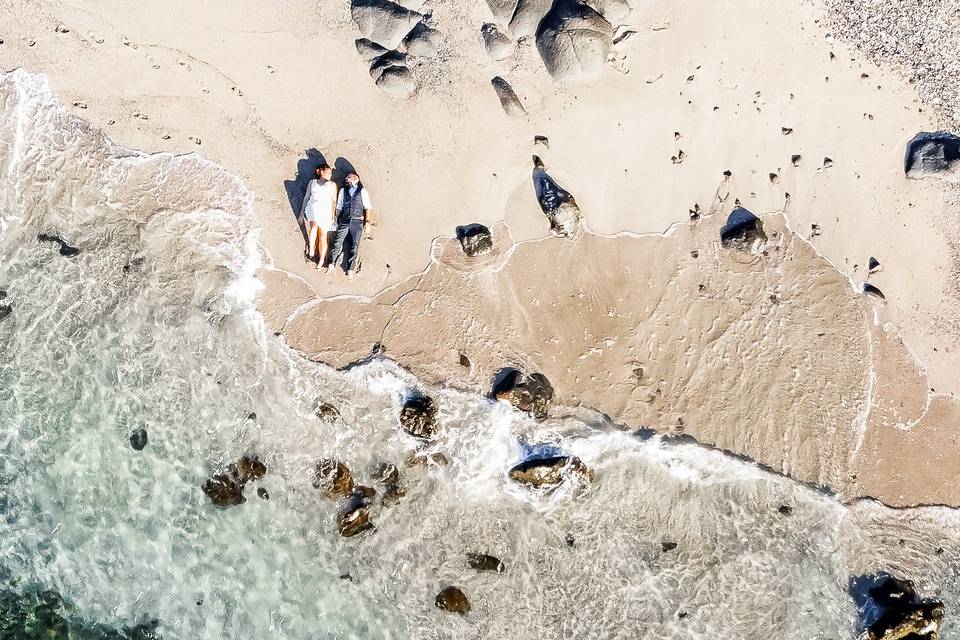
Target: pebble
{"x": 138, "y": 439}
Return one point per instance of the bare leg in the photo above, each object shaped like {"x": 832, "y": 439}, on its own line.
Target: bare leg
{"x": 312, "y": 231}
{"x": 322, "y": 242}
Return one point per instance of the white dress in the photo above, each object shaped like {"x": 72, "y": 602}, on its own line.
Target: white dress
{"x": 319, "y": 203}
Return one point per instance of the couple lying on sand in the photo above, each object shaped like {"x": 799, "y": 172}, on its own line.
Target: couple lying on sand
{"x": 342, "y": 212}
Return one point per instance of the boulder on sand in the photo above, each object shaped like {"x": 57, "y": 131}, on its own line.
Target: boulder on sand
{"x": 423, "y": 42}
{"x": 383, "y": 22}
{"x": 933, "y": 153}
{"x": 549, "y": 471}
{"x": 498, "y": 45}
{"x": 527, "y": 16}
{"x": 454, "y": 600}
{"x": 418, "y": 417}
{"x": 889, "y": 608}
{"x": 475, "y": 239}
{"x": 508, "y": 98}
{"x": 226, "y": 489}
{"x": 741, "y": 230}
{"x": 333, "y": 479}
{"x": 397, "y": 81}
{"x": 369, "y": 50}
{"x": 531, "y": 393}
{"x": 574, "y": 41}
{"x": 556, "y": 202}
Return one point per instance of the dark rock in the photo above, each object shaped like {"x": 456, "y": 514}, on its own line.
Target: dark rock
{"x": 136, "y": 263}
{"x": 556, "y": 203}
{"x": 248, "y": 468}
{"x": 531, "y": 393}
{"x": 873, "y": 265}
{"x": 382, "y": 21}
{"x": 419, "y": 459}
{"x": 422, "y": 41}
{"x": 483, "y": 562}
{"x": 3, "y": 294}
{"x": 570, "y": 540}
{"x": 138, "y": 439}
{"x": 871, "y": 290}
{"x": 262, "y": 493}
{"x": 418, "y": 417}
{"x": 5, "y": 310}
{"x": 328, "y": 413}
{"x": 388, "y": 59}
{"x": 932, "y": 153}
{"x": 368, "y": 49}
{"x": 549, "y": 471}
{"x": 741, "y": 230}
{"x": 542, "y": 140}
{"x": 65, "y": 249}
{"x": 226, "y": 489}
{"x": 388, "y": 475}
{"x": 668, "y": 546}
{"x": 454, "y": 600}
{"x": 475, "y": 239}
{"x": 889, "y": 608}
{"x": 353, "y": 517}
{"x": 574, "y": 41}
{"x": 785, "y": 510}
{"x": 397, "y": 81}
{"x": 464, "y": 361}
{"x": 333, "y": 479}
{"x": 498, "y": 45}
{"x": 508, "y": 98}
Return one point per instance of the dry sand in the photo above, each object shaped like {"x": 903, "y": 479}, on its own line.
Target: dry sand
{"x": 818, "y": 382}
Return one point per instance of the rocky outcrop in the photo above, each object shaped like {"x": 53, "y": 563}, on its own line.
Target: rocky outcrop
{"x": 889, "y": 608}
{"x": 742, "y": 230}
{"x": 333, "y": 479}
{"x": 484, "y": 562}
{"x": 368, "y": 49}
{"x": 549, "y": 471}
{"x": 508, "y": 98}
{"x": 531, "y": 392}
{"x": 226, "y": 489}
{"x": 418, "y": 417}
{"x": 936, "y": 153}
{"x": 475, "y": 239}
{"x": 556, "y": 202}
{"x": 454, "y": 600}
{"x": 574, "y": 41}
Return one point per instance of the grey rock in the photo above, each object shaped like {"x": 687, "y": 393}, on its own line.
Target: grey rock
{"x": 383, "y": 22}
{"x": 475, "y": 240}
{"x": 574, "y": 41}
{"x": 527, "y": 16}
{"x": 5, "y": 311}
{"x": 369, "y": 50}
{"x": 388, "y": 476}
{"x": 508, "y": 98}
{"x": 423, "y": 42}
{"x": 557, "y": 203}
{"x": 613, "y": 11}
{"x": 385, "y": 61}
{"x": 497, "y": 44}
{"x": 933, "y": 153}
{"x": 353, "y": 516}
{"x": 397, "y": 81}
{"x": 502, "y": 10}
{"x": 531, "y": 393}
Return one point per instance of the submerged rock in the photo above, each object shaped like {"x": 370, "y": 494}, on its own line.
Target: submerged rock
{"x": 65, "y": 249}
{"x": 508, "y": 98}
{"x": 138, "y": 439}
{"x": 741, "y": 230}
{"x": 484, "y": 562}
{"x": 387, "y": 475}
{"x": 454, "y": 600}
{"x": 574, "y": 41}
{"x": 328, "y": 413}
{"x": 353, "y": 518}
{"x": 556, "y": 203}
{"x": 889, "y": 608}
{"x": 422, "y": 459}
{"x": 475, "y": 239}
{"x": 418, "y": 417}
{"x": 531, "y": 393}
{"x": 549, "y": 471}
{"x": 5, "y": 310}
{"x": 333, "y": 479}
{"x": 226, "y": 489}
{"x": 668, "y": 546}
{"x": 932, "y": 153}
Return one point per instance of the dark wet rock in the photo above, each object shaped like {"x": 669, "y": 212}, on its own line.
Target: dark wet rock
{"x": 889, "y": 608}
{"x": 873, "y": 265}
{"x": 475, "y": 239}
{"x": 741, "y": 230}
{"x": 527, "y": 17}
{"x": 333, "y": 479}
{"x": 423, "y": 42}
{"x": 226, "y": 489}
{"x": 134, "y": 263}
{"x": 5, "y": 311}
{"x": 570, "y": 540}
{"x": 785, "y": 510}
{"x": 549, "y": 471}
{"x": 454, "y": 600}
{"x": 397, "y": 81}
{"x": 421, "y": 459}
{"x": 932, "y": 153}
{"x": 556, "y": 203}
{"x": 668, "y": 546}
{"x": 387, "y": 475}
{"x": 531, "y": 392}
{"x": 353, "y": 517}
{"x": 508, "y": 98}
{"x": 541, "y": 140}
{"x": 328, "y": 413}
{"x": 871, "y": 290}
{"x": 262, "y": 493}
{"x": 484, "y": 562}
{"x": 574, "y": 41}
{"x": 138, "y": 439}
{"x": 252, "y": 415}
{"x": 3, "y": 294}
{"x": 498, "y": 45}
{"x": 369, "y": 50}
{"x": 418, "y": 417}
{"x": 464, "y": 361}
{"x": 65, "y": 249}
{"x": 382, "y": 21}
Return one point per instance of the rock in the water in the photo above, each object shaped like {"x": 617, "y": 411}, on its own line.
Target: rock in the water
{"x": 454, "y": 600}
{"x": 327, "y": 412}
{"x": 889, "y": 609}
{"x": 388, "y": 476}
{"x": 369, "y": 50}
{"x": 65, "y": 249}
{"x": 397, "y": 81}
{"x": 383, "y": 22}
{"x": 668, "y": 546}
{"x": 226, "y": 489}
{"x": 933, "y": 153}
{"x": 475, "y": 239}
{"x": 508, "y": 98}
{"x": 574, "y": 41}
{"x": 421, "y": 459}
{"x": 262, "y": 493}
{"x": 556, "y": 203}
{"x": 527, "y": 17}
{"x": 549, "y": 471}
{"x": 353, "y": 517}
{"x": 138, "y": 439}
{"x": 418, "y": 417}
{"x": 741, "y": 230}
{"x": 484, "y": 562}
{"x": 3, "y": 294}
{"x": 498, "y": 45}
{"x": 531, "y": 393}
{"x": 423, "y": 42}
{"x": 333, "y": 479}
{"x": 5, "y": 310}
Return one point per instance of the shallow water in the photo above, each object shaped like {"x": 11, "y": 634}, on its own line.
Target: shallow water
{"x": 152, "y": 326}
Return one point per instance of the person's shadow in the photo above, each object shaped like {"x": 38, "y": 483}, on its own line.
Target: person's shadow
{"x": 297, "y": 188}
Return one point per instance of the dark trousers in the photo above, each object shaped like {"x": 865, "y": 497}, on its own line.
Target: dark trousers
{"x": 353, "y": 229}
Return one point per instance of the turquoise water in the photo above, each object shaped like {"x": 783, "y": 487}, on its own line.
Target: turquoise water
{"x": 152, "y": 326}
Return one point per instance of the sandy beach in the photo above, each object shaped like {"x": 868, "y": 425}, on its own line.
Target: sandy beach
{"x": 776, "y": 355}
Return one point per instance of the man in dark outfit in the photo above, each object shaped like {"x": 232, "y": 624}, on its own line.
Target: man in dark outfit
{"x": 353, "y": 212}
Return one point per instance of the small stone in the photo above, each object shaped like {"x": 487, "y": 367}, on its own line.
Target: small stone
{"x": 785, "y": 510}
{"x": 454, "y": 600}
{"x": 827, "y": 163}
{"x": 262, "y": 493}
{"x": 138, "y": 439}
{"x": 484, "y": 562}
{"x": 541, "y": 140}
{"x": 871, "y": 290}
{"x": 795, "y": 159}
{"x": 80, "y": 104}
{"x": 195, "y": 139}
{"x": 333, "y": 479}
{"x": 387, "y": 475}
{"x": 570, "y": 540}
{"x": 464, "y": 361}
{"x": 873, "y": 265}
{"x": 62, "y": 29}
{"x": 668, "y": 546}
{"x": 774, "y": 178}
{"x": 252, "y": 415}
{"x": 741, "y": 230}
{"x": 418, "y": 417}
{"x": 814, "y": 230}
{"x": 786, "y": 130}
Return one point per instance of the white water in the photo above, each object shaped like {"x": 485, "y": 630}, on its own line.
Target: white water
{"x": 174, "y": 345}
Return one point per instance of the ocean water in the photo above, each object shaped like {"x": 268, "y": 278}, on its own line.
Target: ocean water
{"x": 152, "y": 325}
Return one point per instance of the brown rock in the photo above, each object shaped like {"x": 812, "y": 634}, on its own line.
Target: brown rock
{"x": 549, "y": 471}
{"x": 333, "y": 479}
{"x": 353, "y": 517}
{"x": 453, "y": 599}
{"x": 226, "y": 489}
{"x": 328, "y": 413}
{"x": 388, "y": 475}
{"x": 531, "y": 393}
{"x": 418, "y": 417}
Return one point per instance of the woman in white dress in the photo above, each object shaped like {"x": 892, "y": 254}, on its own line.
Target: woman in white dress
{"x": 319, "y": 211}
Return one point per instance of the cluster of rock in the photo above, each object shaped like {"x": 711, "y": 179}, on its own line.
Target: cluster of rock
{"x": 334, "y": 480}
{"x": 556, "y": 202}
{"x": 889, "y": 608}
{"x": 394, "y": 34}
{"x": 935, "y": 153}
{"x": 226, "y": 489}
